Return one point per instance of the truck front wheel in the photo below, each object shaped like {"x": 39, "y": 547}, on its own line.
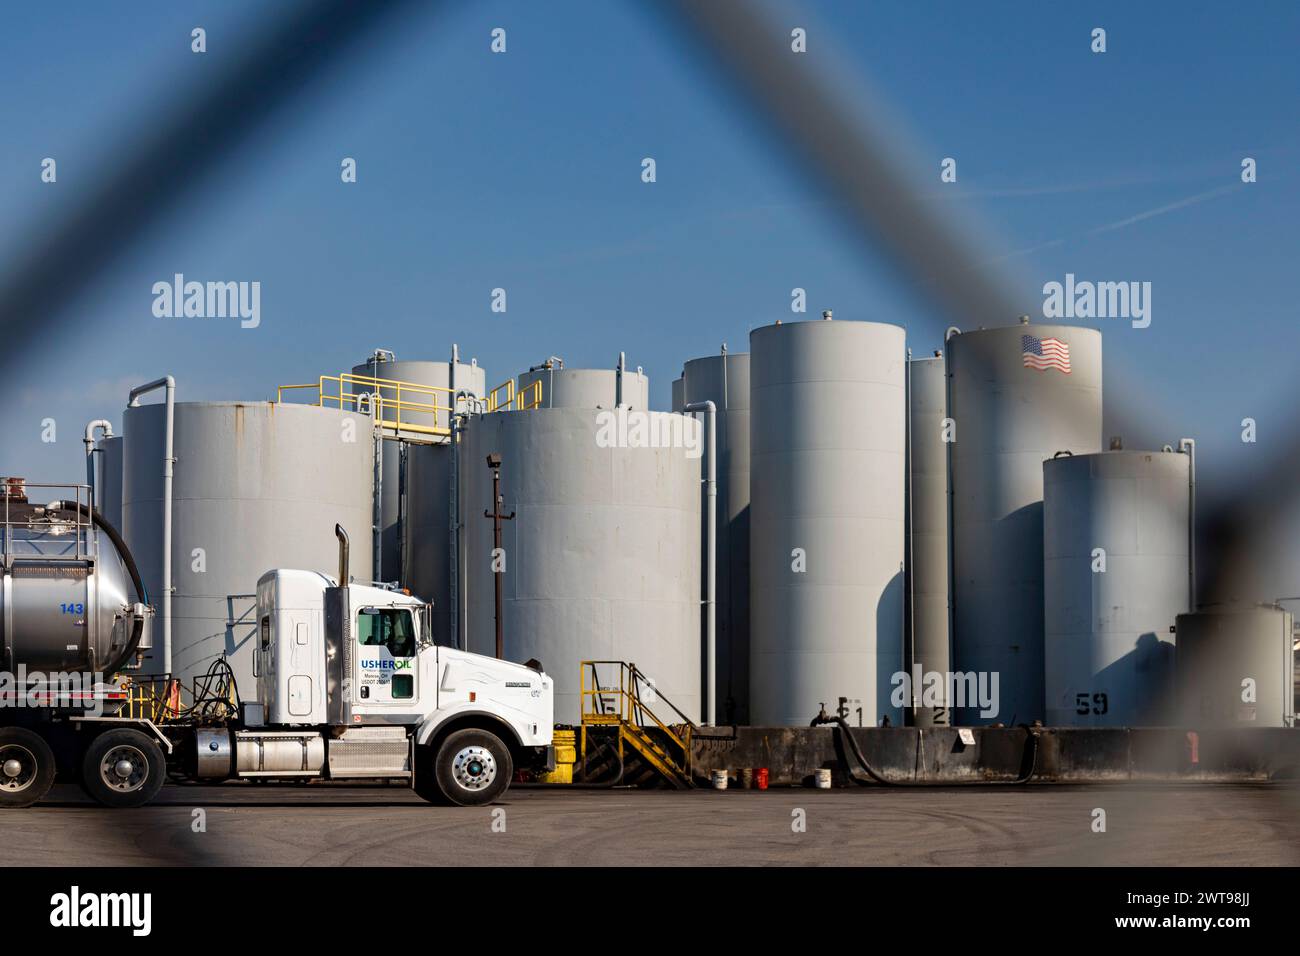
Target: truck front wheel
{"x": 26, "y": 767}
{"x": 471, "y": 768}
{"x": 123, "y": 768}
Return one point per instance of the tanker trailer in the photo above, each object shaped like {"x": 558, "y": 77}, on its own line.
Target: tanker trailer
{"x": 73, "y": 614}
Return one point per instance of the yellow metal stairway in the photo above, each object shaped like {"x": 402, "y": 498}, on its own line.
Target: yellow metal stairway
{"x": 615, "y": 700}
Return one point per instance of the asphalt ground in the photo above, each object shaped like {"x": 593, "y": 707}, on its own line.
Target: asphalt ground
{"x": 244, "y": 824}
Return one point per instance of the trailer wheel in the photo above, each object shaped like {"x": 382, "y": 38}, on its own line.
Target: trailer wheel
{"x": 472, "y": 768}
{"x": 123, "y": 768}
{"x": 26, "y": 767}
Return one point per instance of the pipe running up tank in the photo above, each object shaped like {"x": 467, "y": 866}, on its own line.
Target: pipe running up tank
{"x": 724, "y": 380}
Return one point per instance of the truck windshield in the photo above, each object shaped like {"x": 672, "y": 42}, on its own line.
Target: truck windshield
{"x": 387, "y": 627}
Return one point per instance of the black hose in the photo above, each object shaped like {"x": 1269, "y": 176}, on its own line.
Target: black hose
{"x": 852, "y": 747}
{"x": 98, "y": 520}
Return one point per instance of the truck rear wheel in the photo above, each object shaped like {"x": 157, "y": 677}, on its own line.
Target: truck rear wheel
{"x": 123, "y": 768}
{"x": 471, "y": 768}
{"x": 26, "y": 767}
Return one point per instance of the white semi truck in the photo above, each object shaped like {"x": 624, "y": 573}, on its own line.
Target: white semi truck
{"x": 349, "y": 684}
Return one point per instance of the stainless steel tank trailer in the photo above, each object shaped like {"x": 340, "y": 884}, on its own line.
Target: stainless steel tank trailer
{"x": 349, "y": 683}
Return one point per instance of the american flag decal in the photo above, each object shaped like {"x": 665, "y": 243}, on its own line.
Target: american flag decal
{"x": 1043, "y": 354}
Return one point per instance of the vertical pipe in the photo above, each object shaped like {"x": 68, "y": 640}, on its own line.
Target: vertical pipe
{"x": 458, "y": 421}
{"x": 711, "y": 560}
{"x": 1188, "y": 447}
{"x": 618, "y": 380}
{"x": 377, "y": 528}
{"x": 496, "y": 579}
{"x": 169, "y": 459}
{"x": 451, "y": 381}
{"x": 91, "y": 449}
{"x": 909, "y": 556}
{"x": 403, "y": 515}
{"x": 949, "y": 493}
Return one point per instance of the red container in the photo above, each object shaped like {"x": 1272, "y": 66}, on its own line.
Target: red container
{"x": 760, "y": 778}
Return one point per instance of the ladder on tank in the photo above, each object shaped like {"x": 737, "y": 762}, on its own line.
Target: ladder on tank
{"x": 621, "y": 705}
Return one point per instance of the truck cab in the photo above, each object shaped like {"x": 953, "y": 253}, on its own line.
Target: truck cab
{"x": 348, "y": 678}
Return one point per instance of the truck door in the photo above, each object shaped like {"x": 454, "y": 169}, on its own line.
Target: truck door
{"x": 386, "y": 656}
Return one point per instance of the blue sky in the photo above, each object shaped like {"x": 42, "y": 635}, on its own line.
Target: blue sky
{"x": 522, "y": 171}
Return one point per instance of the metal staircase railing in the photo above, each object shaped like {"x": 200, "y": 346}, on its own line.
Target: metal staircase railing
{"x": 407, "y": 408}
{"x": 622, "y": 703}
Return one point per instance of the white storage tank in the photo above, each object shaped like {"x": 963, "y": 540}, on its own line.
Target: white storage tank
{"x": 1017, "y": 395}
{"x": 602, "y": 557}
{"x": 587, "y": 387}
{"x": 925, "y": 612}
{"x": 724, "y": 380}
{"x": 1236, "y": 667}
{"x": 441, "y": 375}
{"x": 828, "y": 416}
{"x": 1116, "y": 574}
{"x": 257, "y": 486}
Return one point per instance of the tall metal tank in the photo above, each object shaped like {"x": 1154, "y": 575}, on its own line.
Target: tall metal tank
{"x": 587, "y": 387}
{"x": 108, "y": 486}
{"x": 602, "y": 555}
{"x": 925, "y": 612}
{"x": 427, "y": 546}
{"x": 724, "y": 380}
{"x": 1235, "y": 667}
{"x": 257, "y": 486}
{"x": 70, "y": 599}
{"x": 1015, "y": 403}
{"x": 826, "y": 519}
{"x": 457, "y": 375}
{"x": 1116, "y": 573}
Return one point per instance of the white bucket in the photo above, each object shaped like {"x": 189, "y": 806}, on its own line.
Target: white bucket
{"x": 822, "y": 778}
{"x": 719, "y": 778}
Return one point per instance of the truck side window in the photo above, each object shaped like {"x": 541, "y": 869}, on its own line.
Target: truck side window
{"x": 387, "y": 627}
{"x": 266, "y": 632}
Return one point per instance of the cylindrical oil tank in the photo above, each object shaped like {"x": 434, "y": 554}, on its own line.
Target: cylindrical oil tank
{"x": 1116, "y": 573}
{"x": 427, "y": 558}
{"x": 724, "y": 380}
{"x": 256, "y": 486}
{"x": 827, "y": 425}
{"x": 441, "y": 375}
{"x": 1017, "y": 395}
{"x": 587, "y": 387}
{"x": 1235, "y": 667}
{"x": 602, "y": 556}
{"x": 65, "y": 592}
{"x": 925, "y": 613}
{"x": 108, "y": 485}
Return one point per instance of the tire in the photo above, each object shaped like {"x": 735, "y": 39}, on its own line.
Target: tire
{"x": 26, "y": 767}
{"x": 123, "y": 768}
{"x": 471, "y": 769}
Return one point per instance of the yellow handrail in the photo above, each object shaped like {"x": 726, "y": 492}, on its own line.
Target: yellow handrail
{"x": 408, "y": 406}
{"x": 631, "y": 708}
